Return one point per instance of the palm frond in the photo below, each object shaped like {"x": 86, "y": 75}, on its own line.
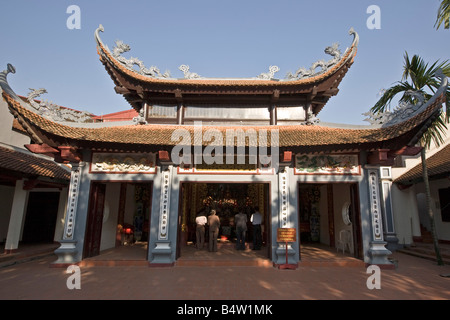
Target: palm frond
{"x": 435, "y": 133}
{"x": 443, "y": 15}
{"x": 419, "y": 76}
{"x": 384, "y": 102}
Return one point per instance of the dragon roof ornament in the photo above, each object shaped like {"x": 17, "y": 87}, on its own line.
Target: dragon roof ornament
{"x": 322, "y": 66}
{"x": 54, "y": 112}
{"x": 406, "y": 110}
{"x": 4, "y": 81}
{"x": 270, "y": 74}
{"x": 317, "y": 68}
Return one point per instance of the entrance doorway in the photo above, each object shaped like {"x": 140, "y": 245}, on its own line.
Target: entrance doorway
{"x": 40, "y": 219}
{"x": 118, "y": 222}
{"x": 326, "y": 213}
{"x": 227, "y": 199}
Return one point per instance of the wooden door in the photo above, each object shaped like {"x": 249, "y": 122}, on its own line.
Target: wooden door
{"x": 355, "y": 216}
{"x": 95, "y": 220}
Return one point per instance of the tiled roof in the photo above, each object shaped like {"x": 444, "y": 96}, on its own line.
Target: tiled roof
{"x": 27, "y": 164}
{"x": 392, "y": 137}
{"x": 437, "y": 164}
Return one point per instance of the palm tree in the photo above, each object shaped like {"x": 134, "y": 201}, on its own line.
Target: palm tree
{"x": 419, "y": 77}
{"x": 443, "y": 15}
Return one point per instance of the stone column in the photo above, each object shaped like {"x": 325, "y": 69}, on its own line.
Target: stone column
{"x": 284, "y": 218}
{"x": 16, "y": 218}
{"x": 388, "y": 215}
{"x": 377, "y": 251}
{"x": 162, "y": 252}
{"x": 67, "y": 251}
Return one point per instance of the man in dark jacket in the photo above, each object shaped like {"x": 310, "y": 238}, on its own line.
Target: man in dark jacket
{"x": 214, "y": 225}
{"x": 240, "y": 221}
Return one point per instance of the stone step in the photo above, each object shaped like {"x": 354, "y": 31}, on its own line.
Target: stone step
{"x": 425, "y": 254}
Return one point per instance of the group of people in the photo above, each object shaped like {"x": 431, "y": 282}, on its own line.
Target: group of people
{"x": 240, "y": 222}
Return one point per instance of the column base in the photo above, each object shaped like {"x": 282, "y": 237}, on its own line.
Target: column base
{"x": 66, "y": 254}
{"x": 378, "y": 253}
{"x": 392, "y": 242}
{"x": 281, "y": 255}
{"x": 162, "y": 254}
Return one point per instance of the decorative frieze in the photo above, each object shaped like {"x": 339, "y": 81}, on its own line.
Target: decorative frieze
{"x": 123, "y": 163}
{"x": 339, "y": 164}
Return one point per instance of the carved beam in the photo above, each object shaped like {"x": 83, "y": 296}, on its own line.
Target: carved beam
{"x": 69, "y": 154}
{"x": 331, "y": 92}
{"x": 407, "y": 151}
{"x": 42, "y": 149}
{"x": 30, "y": 184}
{"x": 380, "y": 157}
{"x": 163, "y": 155}
{"x": 122, "y": 90}
{"x": 275, "y": 95}
{"x": 286, "y": 158}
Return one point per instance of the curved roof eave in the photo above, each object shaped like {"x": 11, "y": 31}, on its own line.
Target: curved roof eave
{"x": 107, "y": 57}
{"x": 56, "y": 134}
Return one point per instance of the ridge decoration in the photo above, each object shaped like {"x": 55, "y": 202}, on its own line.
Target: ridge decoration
{"x": 54, "y": 112}
{"x": 322, "y": 65}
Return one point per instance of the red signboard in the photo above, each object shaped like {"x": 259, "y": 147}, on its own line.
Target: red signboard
{"x": 286, "y": 235}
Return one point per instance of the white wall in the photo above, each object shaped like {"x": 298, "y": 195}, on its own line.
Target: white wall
{"x": 110, "y": 216}
{"x": 406, "y": 215}
{"x": 442, "y": 228}
{"x": 7, "y": 135}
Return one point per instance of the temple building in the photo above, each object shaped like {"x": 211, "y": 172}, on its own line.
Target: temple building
{"x": 33, "y": 190}
{"x": 229, "y": 144}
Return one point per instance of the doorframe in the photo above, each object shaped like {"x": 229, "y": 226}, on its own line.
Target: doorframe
{"x": 105, "y": 182}
{"x": 267, "y": 216}
{"x": 355, "y": 214}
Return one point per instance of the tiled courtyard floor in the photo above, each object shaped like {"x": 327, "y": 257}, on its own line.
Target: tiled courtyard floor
{"x": 414, "y": 278}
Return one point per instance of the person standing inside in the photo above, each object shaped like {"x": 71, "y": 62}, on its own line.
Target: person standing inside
{"x": 256, "y": 220}
{"x": 214, "y": 225}
{"x": 240, "y": 220}
{"x": 200, "y": 220}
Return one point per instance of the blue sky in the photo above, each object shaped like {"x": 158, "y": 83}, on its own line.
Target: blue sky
{"x": 233, "y": 38}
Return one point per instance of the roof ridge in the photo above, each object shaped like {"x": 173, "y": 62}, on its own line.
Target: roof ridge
{"x": 105, "y": 53}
